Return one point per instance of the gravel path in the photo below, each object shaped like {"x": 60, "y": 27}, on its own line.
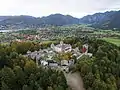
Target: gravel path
{"x": 74, "y": 81}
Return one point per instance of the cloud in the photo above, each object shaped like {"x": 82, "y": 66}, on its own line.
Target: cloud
{"x": 76, "y": 8}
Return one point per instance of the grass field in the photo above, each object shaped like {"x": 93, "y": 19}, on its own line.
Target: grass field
{"x": 113, "y": 40}
{"x": 107, "y": 32}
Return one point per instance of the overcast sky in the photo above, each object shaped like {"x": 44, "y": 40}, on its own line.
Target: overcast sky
{"x": 39, "y": 8}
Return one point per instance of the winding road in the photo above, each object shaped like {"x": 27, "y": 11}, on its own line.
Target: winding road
{"x": 74, "y": 81}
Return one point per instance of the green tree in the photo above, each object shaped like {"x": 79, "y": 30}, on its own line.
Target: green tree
{"x": 8, "y": 77}
{"x": 4, "y": 87}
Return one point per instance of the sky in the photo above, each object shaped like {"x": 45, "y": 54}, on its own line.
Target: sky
{"x": 39, "y": 8}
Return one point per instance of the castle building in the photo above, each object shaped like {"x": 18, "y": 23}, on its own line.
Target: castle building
{"x": 61, "y": 47}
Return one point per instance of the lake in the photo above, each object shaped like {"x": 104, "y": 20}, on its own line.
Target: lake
{"x": 10, "y": 30}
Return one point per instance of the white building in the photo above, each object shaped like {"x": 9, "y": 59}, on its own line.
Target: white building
{"x": 52, "y": 63}
{"x": 45, "y": 56}
{"x": 61, "y": 47}
{"x": 44, "y": 63}
{"x": 71, "y": 62}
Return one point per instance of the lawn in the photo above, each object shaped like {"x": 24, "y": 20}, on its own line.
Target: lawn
{"x": 113, "y": 40}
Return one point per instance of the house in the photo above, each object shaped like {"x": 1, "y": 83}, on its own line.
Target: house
{"x": 76, "y": 52}
{"x": 64, "y": 62}
{"x": 85, "y": 48}
{"x": 71, "y": 62}
{"x": 29, "y": 54}
{"x": 33, "y": 55}
{"x": 61, "y": 47}
{"x": 45, "y": 56}
{"x": 52, "y": 63}
{"x": 38, "y": 57}
{"x": 44, "y": 62}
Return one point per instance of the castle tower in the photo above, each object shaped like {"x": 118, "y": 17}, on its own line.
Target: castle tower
{"x": 85, "y": 48}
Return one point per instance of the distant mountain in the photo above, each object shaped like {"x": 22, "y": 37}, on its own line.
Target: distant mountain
{"x": 19, "y": 20}
{"x": 4, "y": 17}
{"x": 114, "y": 21}
{"x": 59, "y": 19}
{"x": 107, "y": 20}
{"x": 29, "y": 21}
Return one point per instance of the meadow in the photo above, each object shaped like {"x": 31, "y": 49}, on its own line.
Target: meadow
{"x": 115, "y": 41}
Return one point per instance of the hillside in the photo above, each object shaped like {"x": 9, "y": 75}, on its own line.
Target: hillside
{"x": 4, "y": 17}
{"x": 96, "y": 18}
{"x": 59, "y": 19}
{"x": 19, "y": 20}
{"x": 29, "y": 21}
{"x": 107, "y": 20}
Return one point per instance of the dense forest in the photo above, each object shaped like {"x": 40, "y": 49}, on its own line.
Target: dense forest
{"x": 20, "y": 73}
{"x": 101, "y": 72}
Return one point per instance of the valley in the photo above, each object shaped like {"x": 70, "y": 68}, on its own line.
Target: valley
{"x": 59, "y": 45}
{"x": 60, "y": 52}
{"x": 48, "y": 58}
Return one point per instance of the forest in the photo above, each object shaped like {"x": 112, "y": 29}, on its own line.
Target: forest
{"x": 101, "y": 72}
{"x": 20, "y": 73}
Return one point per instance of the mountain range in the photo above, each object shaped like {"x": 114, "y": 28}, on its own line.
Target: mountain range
{"x": 107, "y": 20}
